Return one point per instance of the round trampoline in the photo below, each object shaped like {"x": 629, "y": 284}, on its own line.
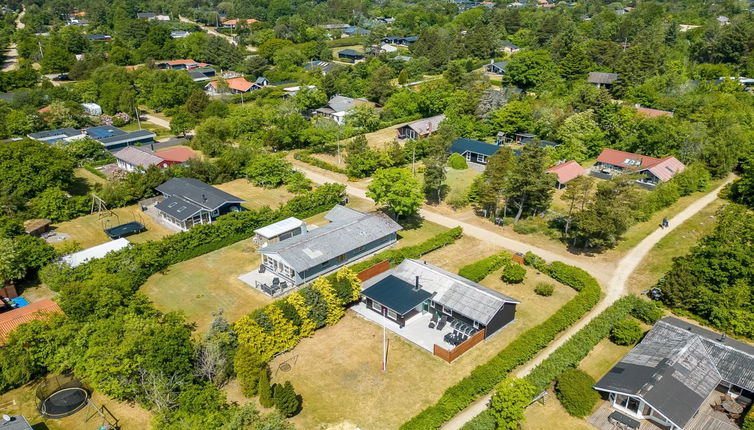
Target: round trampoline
{"x": 61, "y": 396}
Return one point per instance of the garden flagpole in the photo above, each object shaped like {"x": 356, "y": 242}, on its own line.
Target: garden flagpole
{"x": 384, "y": 340}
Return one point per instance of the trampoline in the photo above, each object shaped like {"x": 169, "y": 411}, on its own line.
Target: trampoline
{"x": 124, "y": 230}
{"x": 61, "y": 396}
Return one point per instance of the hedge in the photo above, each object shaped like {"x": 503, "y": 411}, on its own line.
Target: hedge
{"x": 575, "y": 392}
{"x": 396, "y": 256}
{"x": 306, "y": 157}
{"x": 481, "y": 269}
{"x": 578, "y": 346}
{"x": 626, "y": 332}
{"x": 748, "y": 421}
{"x": 485, "y": 376}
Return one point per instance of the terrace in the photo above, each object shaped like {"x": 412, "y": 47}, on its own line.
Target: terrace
{"x": 267, "y": 281}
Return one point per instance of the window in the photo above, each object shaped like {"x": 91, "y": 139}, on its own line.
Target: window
{"x": 468, "y": 156}
{"x": 377, "y": 306}
{"x": 392, "y": 314}
{"x": 480, "y": 158}
{"x": 447, "y": 311}
{"x": 325, "y": 263}
{"x": 341, "y": 258}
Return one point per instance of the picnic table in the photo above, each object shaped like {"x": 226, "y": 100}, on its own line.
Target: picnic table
{"x": 623, "y": 420}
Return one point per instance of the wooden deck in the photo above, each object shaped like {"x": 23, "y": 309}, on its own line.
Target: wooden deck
{"x": 706, "y": 418}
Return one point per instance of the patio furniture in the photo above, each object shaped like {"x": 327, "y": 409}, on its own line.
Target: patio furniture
{"x": 623, "y": 421}
{"x": 443, "y": 321}
{"x": 275, "y": 281}
{"x": 262, "y": 269}
{"x": 732, "y": 407}
{"x": 433, "y": 321}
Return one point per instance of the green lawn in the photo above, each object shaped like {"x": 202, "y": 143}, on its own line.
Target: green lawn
{"x": 207, "y": 284}
{"x": 256, "y": 197}
{"x": 416, "y": 234}
{"x": 156, "y": 129}
{"x": 338, "y": 370}
{"x": 459, "y": 182}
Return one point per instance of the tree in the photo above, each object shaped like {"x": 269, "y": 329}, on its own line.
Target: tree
{"x": 577, "y": 194}
{"x": 56, "y": 205}
{"x": 509, "y": 402}
{"x": 434, "y": 179}
{"x": 528, "y": 186}
{"x": 213, "y": 360}
{"x": 513, "y": 274}
{"x": 397, "y": 189}
{"x": 196, "y": 103}
{"x": 364, "y": 117}
{"x": 528, "y": 69}
{"x": 581, "y": 137}
{"x": 742, "y": 190}
{"x": 212, "y": 136}
{"x": 286, "y": 399}
{"x": 56, "y": 59}
{"x": 268, "y": 170}
{"x": 181, "y": 122}
{"x": 378, "y": 86}
{"x": 516, "y": 116}
{"x": 575, "y": 65}
{"x": 264, "y": 390}
{"x": 491, "y": 184}
{"x": 361, "y": 160}
{"x": 10, "y": 267}
{"x": 457, "y": 161}
{"x": 455, "y": 73}
{"x": 608, "y": 215}
{"x": 575, "y": 392}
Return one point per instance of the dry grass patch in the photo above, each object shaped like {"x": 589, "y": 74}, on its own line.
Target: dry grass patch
{"x": 89, "y": 177}
{"x": 206, "y": 284}
{"x": 338, "y": 370}
{"x": 88, "y": 230}
{"x": 22, "y": 401}
{"x": 551, "y": 415}
{"x": 410, "y": 236}
{"x": 602, "y": 358}
{"x": 256, "y": 197}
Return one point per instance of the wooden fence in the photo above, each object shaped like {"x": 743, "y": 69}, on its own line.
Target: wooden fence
{"x": 456, "y": 352}
{"x": 374, "y": 270}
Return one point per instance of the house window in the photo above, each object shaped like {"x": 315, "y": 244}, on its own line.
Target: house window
{"x": 476, "y": 324}
{"x": 447, "y": 311}
{"x": 324, "y": 264}
{"x": 392, "y": 315}
{"x": 480, "y": 158}
{"x": 468, "y": 156}
{"x": 342, "y": 258}
{"x": 377, "y": 306}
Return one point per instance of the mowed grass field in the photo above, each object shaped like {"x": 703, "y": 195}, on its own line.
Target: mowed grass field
{"x": 88, "y": 230}
{"x": 256, "y": 197}
{"x": 208, "y": 284}
{"x": 338, "y": 370}
{"x": 22, "y": 401}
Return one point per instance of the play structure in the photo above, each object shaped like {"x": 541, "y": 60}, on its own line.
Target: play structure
{"x": 61, "y": 396}
{"x": 110, "y": 221}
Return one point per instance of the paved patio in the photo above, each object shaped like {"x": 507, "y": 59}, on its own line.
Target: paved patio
{"x": 415, "y": 331}
{"x": 255, "y": 278}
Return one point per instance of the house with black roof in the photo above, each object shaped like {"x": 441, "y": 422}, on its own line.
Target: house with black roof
{"x": 415, "y": 296}
{"x": 496, "y": 67}
{"x": 473, "y": 150}
{"x": 351, "y": 55}
{"x": 602, "y": 79}
{"x": 679, "y": 375}
{"x": 188, "y": 202}
{"x": 400, "y": 40}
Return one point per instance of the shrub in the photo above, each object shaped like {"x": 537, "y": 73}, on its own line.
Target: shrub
{"x": 485, "y": 376}
{"x": 626, "y": 332}
{"x": 479, "y": 270}
{"x": 647, "y": 311}
{"x": 544, "y": 289}
{"x": 264, "y": 390}
{"x": 748, "y": 423}
{"x": 248, "y": 369}
{"x": 575, "y": 392}
{"x": 514, "y": 274}
{"x": 456, "y": 161}
{"x": 306, "y": 157}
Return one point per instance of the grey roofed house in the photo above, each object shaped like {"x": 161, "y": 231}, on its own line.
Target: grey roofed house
{"x": 189, "y": 201}
{"x": 52, "y": 136}
{"x": 450, "y": 294}
{"x": 473, "y": 150}
{"x": 127, "y": 138}
{"x": 420, "y": 128}
{"x": 17, "y": 422}
{"x": 676, "y": 367}
{"x": 346, "y": 238}
{"x": 132, "y": 157}
{"x": 337, "y": 107}
{"x": 324, "y": 67}
{"x": 340, "y": 213}
{"x": 201, "y": 75}
{"x": 497, "y": 68}
{"x": 145, "y": 15}
{"x": 602, "y": 78}
{"x": 179, "y": 34}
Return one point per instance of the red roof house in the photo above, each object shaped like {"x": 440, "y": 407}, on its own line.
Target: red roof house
{"x": 40, "y": 310}
{"x": 235, "y": 85}
{"x": 176, "y": 154}
{"x": 566, "y": 172}
{"x": 655, "y": 170}
{"x": 235, "y": 22}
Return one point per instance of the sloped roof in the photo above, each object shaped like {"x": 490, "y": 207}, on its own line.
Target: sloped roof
{"x": 426, "y": 125}
{"x": 177, "y": 154}
{"x": 666, "y": 168}
{"x": 78, "y": 258}
{"x": 396, "y": 294}
{"x": 602, "y": 78}
{"x": 179, "y": 208}
{"x": 10, "y": 320}
{"x": 238, "y": 84}
{"x": 197, "y": 193}
{"x": 463, "y": 145}
{"x": 324, "y": 66}
{"x": 625, "y": 159}
{"x": 57, "y": 134}
{"x": 329, "y": 241}
{"x": 279, "y": 227}
{"x": 567, "y": 171}
{"x": 138, "y": 156}
{"x": 341, "y": 213}
{"x": 351, "y": 53}
{"x": 465, "y": 297}
{"x": 342, "y": 103}
{"x": 499, "y": 64}
{"x": 677, "y": 366}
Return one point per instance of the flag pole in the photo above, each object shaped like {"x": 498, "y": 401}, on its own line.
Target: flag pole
{"x": 384, "y": 341}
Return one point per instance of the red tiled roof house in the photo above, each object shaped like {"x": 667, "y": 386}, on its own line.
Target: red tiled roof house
{"x": 653, "y": 170}
{"x": 40, "y": 310}
{"x": 566, "y": 172}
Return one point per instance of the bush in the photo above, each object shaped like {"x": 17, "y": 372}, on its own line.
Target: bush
{"x": 748, "y": 421}
{"x": 456, "y": 161}
{"x": 626, "y": 332}
{"x": 485, "y": 376}
{"x": 264, "y": 390}
{"x": 544, "y": 289}
{"x": 479, "y": 270}
{"x": 286, "y": 400}
{"x": 575, "y": 392}
{"x": 647, "y": 311}
{"x": 306, "y": 157}
{"x": 514, "y": 274}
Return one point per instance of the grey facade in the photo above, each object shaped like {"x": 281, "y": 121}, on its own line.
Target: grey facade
{"x": 188, "y": 202}
{"x": 349, "y": 236}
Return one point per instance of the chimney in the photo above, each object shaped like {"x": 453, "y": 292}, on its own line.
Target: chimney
{"x": 204, "y": 198}
{"x": 723, "y": 337}
{"x": 417, "y": 287}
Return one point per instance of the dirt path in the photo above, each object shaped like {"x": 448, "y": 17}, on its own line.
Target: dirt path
{"x": 214, "y": 32}
{"x": 616, "y": 288}
{"x": 10, "y": 60}
{"x": 155, "y": 120}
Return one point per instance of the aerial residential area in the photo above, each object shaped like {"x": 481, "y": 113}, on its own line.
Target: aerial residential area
{"x": 377, "y": 215}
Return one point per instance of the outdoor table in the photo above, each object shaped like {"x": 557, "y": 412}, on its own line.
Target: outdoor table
{"x": 623, "y": 419}
{"x": 732, "y": 407}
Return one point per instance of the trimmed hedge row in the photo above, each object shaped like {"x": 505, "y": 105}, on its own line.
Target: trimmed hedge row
{"x": 481, "y": 269}
{"x": 306, "y": 157}
{"x": 578, "y": 346}
{"x": 485, "y": 376}
{"x": 749, "y": 421}
{"x": 575, "y": 392}
{"x": 396, "y": 256}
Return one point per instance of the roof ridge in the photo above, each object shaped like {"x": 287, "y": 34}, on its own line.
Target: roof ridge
{"x": 303, "y": 239}
{"x": 470, "y": 283}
